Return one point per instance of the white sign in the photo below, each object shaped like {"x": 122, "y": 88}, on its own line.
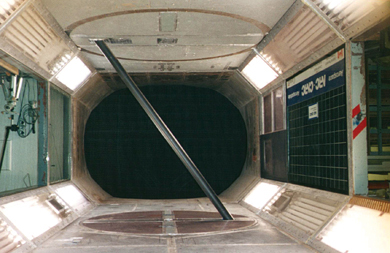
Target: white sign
{"x": 313, "y": 111}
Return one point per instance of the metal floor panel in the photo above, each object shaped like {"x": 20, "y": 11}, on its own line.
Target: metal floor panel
{"x": 261, "y": 237}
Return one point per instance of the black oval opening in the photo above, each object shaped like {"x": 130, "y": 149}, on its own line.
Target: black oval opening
{"x": 127, "y": 156}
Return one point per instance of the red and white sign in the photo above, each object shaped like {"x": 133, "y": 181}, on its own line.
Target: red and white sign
{"x": 359, "y": 121}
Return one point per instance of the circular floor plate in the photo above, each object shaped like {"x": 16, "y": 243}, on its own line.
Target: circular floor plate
{"x": 168, "y": 222}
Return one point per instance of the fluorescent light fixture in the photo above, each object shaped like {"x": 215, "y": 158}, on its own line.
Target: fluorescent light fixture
{"x": 261, "y": 194}
{"x": 10, "y": 239}
{"x": 72, "y": 196}
{"x": 74, "y": 73}
{"x": 259, "y": 72}
{"x": 14, "y": 79}
{"x": 6, "y": 6}
{"x": 358, "y": 229}
{"x": 32, "y": 216}
{"x": 20, "y": 85}
{"x": 331, "y": 4}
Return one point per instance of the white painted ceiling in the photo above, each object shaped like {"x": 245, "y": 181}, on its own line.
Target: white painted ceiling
{"x": 207, "y": 36}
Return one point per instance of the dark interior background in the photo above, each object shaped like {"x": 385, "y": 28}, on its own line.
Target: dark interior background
{"x": 128, "y": 157}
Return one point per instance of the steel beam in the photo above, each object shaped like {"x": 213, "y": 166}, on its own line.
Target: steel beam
{"x": 164, "y": 130}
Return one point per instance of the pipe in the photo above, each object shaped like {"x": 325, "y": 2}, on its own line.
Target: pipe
{"x": 14, "y": 81}
{"x": 164, "y": 130}
{"x": 7, "y": 130}
{"x": 20, "y": 85}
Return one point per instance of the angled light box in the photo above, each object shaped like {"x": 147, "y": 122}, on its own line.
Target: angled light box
{"x": 74, "y": 73}
{"x": 261, "y": 194}
{"x": 259, "y": 72}
{"x": 7, "y": 7}
{"x": 31, "y": 215}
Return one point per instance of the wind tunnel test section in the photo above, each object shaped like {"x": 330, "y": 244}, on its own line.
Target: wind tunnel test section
{"x": 280, "y": 109}
{"x": 128, "y": 157}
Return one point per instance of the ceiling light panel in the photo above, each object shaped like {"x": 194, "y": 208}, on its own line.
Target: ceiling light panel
{"x": 74, "y": 73}
{"x": 261, "y": 194}
{"x": 73, "y": 197}
{"x": 358, "y": 229}
{"x": 9, "y": 238}
{"x": 31, "y": 215}
{"x": 345, "y": 13}
{"x": 259, "y": 72}
{"x": 9, "y": 7}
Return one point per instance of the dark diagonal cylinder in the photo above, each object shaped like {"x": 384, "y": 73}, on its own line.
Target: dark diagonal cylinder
{"x": 164, "y": 130}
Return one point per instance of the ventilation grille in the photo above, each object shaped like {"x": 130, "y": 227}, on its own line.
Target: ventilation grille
{"x": 303, "y": 35}
{"x": 9, "y": 7}
{"x": 302, "y": 212}
{"x": 307, "y": 34}
{"x": 346, "y": 13}
{"x": 58, "y": 206}
{"x": 376, "y": 204}
{"x": 9, "y": 239}
{"x": 31, "y": 34}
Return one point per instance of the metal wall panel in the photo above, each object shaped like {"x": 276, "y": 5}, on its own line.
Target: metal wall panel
{"x": 318, "y": 147}
{"x": 274, "y": 156}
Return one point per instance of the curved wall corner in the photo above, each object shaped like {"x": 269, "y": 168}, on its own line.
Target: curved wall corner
{"x": 83, "y": 102}
{"x": 250, "y": 174}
